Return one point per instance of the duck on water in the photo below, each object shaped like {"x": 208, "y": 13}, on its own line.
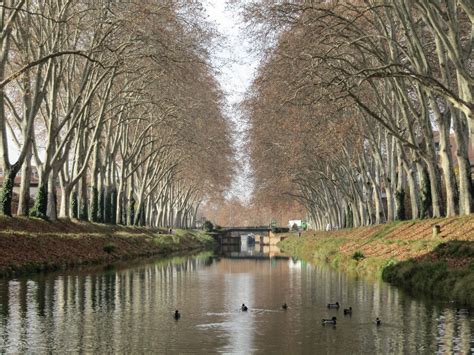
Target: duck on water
{"x": 329, "y": 321}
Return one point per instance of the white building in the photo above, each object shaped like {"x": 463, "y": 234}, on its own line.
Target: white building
{"x": 291, "y": 223}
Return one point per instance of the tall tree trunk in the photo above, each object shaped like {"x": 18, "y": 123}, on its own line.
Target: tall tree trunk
{"x": 130, "y": 202}
{"x": 64, "y": 207}
{"x": 94, "y": 207}
{"x": 435, "y": 184}
{"x": 378, "y": 203}
{"x": 444, "y": 124}
{"x": 119, "y": 200}
{"x": 51, "y": 210}
{"x": 82, "y": 199}
{"x": 425, "y": 190}
{"x": 25, "y": 197}
{"x": 464, "y": 166}
{"x": 447, "y": 167}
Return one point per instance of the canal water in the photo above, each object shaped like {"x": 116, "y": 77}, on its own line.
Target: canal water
{"x": 129, "y": 309}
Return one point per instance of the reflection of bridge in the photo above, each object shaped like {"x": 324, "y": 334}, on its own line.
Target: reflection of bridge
{"x": 256, "y": 252}
{"x": 257, "y": 256}
{"x": 232, "y": 235}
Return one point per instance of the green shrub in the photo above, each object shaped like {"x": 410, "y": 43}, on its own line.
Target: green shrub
{"x": 110, "y": 248}
{"x": 101, "y": 211}
{"x": 208, "y": 226}
{"x": 466, "y": 250}
{"x": 74, "y": 206}
{"x": 94, "y": 205}
{"x": 390, "y": 262}
{"x": 41, "y": 203}
{"x": 358, "y": 255}
{"x": 6, "y": 194}
{"x": 456, "y": 248}
{"x": 113, "y": 206}
{"x": 425, "y": 194}
{"x": 108, "y": 206}
{"x": 131, "y": 211}
{"x": 400, "y": 197}
{"x": 83, "y": 209}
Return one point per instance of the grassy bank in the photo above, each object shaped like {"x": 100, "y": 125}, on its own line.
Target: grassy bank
{"x": 30, "y": 245}
{"x": 403, "y": 253}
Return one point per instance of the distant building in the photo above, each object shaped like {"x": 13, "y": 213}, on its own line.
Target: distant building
{"x": 298, "y": 223}
{"x": 16, "y": 187}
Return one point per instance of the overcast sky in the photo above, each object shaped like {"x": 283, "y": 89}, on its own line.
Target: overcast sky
{"x": 237, "y": 68}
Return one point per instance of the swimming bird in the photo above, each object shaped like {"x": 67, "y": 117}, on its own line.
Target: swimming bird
{"x": 244, "y": 308}
{"x": 328, "y": 321}
{"x": 378, "y": 321}
{"x": 177, "y": 315}
{"x": 285, "y": 306}
{"x": 333, "y": 305}
{"x": 348, "y": 310}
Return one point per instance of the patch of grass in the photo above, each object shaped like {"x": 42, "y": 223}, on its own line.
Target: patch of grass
{"x": 435, "y": 279}
{"x": 456, "y": 248}
{"x": 32, "y": 245}
{"x": 384, "y": 231}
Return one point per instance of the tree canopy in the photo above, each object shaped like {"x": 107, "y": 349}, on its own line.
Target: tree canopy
{"x": 116, "y": 109}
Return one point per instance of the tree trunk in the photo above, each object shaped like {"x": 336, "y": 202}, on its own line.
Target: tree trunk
{"x": 94, "y": 207}
{"x": 24, "y": 198}
{"x": 82, "y": 199}
{"x": 435, "y": 183}
{"x": 65, "y": 201}
{"x": 119, "y": 203}
{"x": 130, "y": 203}
{"x": 425, "y": 190}
{"x": 464, "y": 166}
{"x": 51, "y": 209}
{"x": 6, "y": 193}
{"x": 447, "y": 167}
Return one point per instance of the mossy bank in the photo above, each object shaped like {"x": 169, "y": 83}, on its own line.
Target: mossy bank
{"x": 405, "y": 254}
{"x": 32, "y": 245}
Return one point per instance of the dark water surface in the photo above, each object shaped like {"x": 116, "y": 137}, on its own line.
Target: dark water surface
{"x": 129, "y": 310}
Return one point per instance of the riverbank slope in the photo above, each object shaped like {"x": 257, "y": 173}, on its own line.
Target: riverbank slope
{"x": 32, "y": 245}
{"x": 405, "y": 254}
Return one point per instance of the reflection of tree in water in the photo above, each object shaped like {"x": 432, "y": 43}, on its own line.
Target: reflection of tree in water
{"x": 124, "y": 310}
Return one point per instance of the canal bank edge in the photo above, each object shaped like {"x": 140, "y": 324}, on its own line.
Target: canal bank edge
{"x": 408, "y": 254}
{"x": 33, "y": 245}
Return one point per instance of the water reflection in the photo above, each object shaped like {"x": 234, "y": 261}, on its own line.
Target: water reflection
{"x": 129, "y": 310}
{"x": 251, "y": 251}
